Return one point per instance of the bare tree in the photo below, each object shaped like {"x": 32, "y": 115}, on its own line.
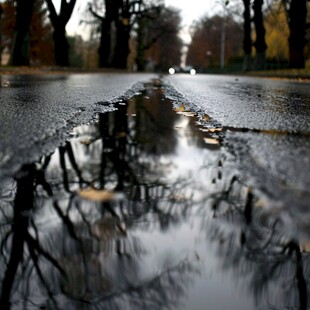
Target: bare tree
{"x": 20, "y": 50}
{"x": 157, "y": 33}
{"x": 106, "y": 22}
{"x": 1, "y": 12}
{"x": 296, "y": 11}
{"x": 247, "y": 41}
{"x": 59, "y": 23}
{"x": 260, "y": 43}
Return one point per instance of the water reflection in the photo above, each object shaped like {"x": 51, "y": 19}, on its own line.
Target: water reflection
{"x": 141, "y": 210}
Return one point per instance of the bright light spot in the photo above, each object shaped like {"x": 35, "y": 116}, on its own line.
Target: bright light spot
{"x": 192, "y": 72}
{"x": 171, "y": 71}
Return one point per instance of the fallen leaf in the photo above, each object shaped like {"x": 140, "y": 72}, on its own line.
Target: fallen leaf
{"x": 191, "y": 114}
{"x": 86, "y": 141}
{"x": 97, "y": 194}
{"x": 181, "y": 108}
{"x": 215, "y": 129}
{"x": 305, "y": 246}
{"x": 121, "y": 134}
{"x": 211, "y": 141}
{"x": 206, "y": 117}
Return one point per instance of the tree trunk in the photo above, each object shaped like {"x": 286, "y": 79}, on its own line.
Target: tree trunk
{"x": 104, "y": 49}
{"x": 1, "y": 12}
{"x": 140, "y": 58}
{"x": 23, "y": 204}
{"x": 260, "y": 43}
{"x": 20, "y": 50}
{"x": 122, "y": 45}
{"x": 297, "y": 39}
{"x": 247, "y": 41}
{"x": 61, "y": 47}
{"x": 59, "y": 22}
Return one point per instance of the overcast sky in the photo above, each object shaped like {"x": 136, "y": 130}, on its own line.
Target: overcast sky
{"x": 190, "y": 10}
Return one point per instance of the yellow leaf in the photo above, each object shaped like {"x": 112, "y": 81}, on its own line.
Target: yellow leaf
{"x": 214, "y": 130}
{"x": 211, "y": 141}
{"x": 181, "y": 108}
{"x": 191, "y": 114}
{"x": 86, "y": 141}
{"x": 97, "y": 194}
{"x": 206, "y": 117}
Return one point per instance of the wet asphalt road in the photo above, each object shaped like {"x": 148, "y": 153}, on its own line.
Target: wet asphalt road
{"x": 38, "y": 111}
{"x": 216, "y": 206}
{"x": 265, "y": 123}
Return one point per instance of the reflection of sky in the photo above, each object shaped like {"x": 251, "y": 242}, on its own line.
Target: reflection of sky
{"x": 188, "y": 158}
{"x": 181, "y": 244}
{"x": 192, "y": 10}
{"x": 211, "y": 286}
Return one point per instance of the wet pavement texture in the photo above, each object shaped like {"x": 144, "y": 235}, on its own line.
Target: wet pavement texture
{"x": 38, "y": 110}
{"x": 267, "y": 128}
{"x": 157, "y": 204}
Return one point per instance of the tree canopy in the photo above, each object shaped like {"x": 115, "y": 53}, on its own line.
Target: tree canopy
{"x": 145, "y": 34}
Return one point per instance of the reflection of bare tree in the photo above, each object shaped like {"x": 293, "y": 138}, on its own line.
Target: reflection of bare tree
{"x": 159, "y": 292}
{"x": 62, "y": 250}
{"x": 154, "y": 123}
{"x": 21, "y": 240}
{"x": 256, "y": 248}
{"x": 63, "y": 150}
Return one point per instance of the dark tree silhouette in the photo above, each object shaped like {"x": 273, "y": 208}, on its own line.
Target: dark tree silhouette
{"x": 22, "y": 204}
{"x": 118, "y": 13}
{"x": 297, "y": 20}
{"x": 145, "y": 17}
{"x": 205, "y": 48}
{"x": 247, "y": 41}
{"x": 105, "y": 50}
{"x": 260, "y": 43}
{"x": 20, "y": 49}
{"x": 59, "y": 23}
{"x": 157, "y": 33}
{"x": 123, "y": 28}
{"x": 1, "y": 12}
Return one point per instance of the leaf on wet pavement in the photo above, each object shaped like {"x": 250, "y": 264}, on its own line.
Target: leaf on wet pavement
{"x": 86, "y": 141}
{"x": 121, "y": 134}
{"x": 98, "y": 194}
{"x": 215, "y": 130}
{"x": 181, "y": 108}
{"x": 206, "y": 117}
{"x": 211, "y": 141}
{"x": 187, "y": 113}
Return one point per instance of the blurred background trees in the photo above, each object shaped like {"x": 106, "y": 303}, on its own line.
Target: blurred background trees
{"x": 34, "y": 45}
{"x": 145, "y": 35}
{"x": 204, "y": 51}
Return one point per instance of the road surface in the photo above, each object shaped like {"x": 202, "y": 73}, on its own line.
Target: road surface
{"x": 37, "y": 111}
{"x": 188, "y": 193}
{"x": 267, "y": 128}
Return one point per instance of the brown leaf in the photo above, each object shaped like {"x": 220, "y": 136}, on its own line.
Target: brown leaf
{"x": 86, "y": 141}
{"x": 191, "y": 114}
{"x": 211, "y": 141}
{"x": 97, "y": 194}
{"x": 181, "y": 108}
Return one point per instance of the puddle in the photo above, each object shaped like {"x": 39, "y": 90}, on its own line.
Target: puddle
{"x": 140, "y": 210}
